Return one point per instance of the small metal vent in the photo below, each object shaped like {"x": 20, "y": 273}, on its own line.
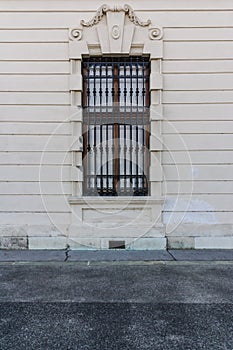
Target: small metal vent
{"x": 116, "y": 244}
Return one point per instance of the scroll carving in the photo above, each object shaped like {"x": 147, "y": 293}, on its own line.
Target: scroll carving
{"x": 155, "y": 33}
{"x": 133, "y": 18}
{"x": 101, "y": 12}
{"x": 75, "y": 34}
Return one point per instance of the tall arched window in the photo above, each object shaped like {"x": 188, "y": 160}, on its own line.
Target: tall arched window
{"x": 116, "y": 125}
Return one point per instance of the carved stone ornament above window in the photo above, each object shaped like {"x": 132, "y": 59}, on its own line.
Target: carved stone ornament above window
{"x": 115, "y": 30}
{"x": 105, "y": 8}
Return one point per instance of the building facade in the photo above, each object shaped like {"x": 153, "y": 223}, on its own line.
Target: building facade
{"x": 116, "y": 124}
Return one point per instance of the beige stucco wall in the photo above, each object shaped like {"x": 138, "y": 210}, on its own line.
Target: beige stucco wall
{"x": 36, "y": 132}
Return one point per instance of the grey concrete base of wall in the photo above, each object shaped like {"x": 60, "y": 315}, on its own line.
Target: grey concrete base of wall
{"x": 45, "y": 243}
{"x": 14, "y": 242}
{"x": 186, "y": 236}
{"x": 148, "y": 243}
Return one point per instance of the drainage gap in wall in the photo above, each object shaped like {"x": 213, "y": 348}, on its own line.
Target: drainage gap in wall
{"x": 116, "y": 244}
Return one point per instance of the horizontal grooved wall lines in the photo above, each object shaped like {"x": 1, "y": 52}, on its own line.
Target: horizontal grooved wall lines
{"x": 35, "y": 112}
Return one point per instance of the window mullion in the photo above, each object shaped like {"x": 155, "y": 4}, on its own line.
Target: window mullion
{"x": 116, "y": 127}
{"x": 116, "y": 156}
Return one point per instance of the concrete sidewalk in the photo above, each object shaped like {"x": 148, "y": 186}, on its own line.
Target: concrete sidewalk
{"x": 164, "y": 305}
{"x": 114, "y": 255}
{"x": 103, "y": 300}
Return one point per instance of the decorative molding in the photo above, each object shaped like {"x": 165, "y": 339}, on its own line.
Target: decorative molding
{"x": 90, "y": 201}
{"x": 116, "y": 32}
{"x": 75, "y": 34}
{"x": 97, "y": 18}
{"x": 155, "y": 33}
{"x": 133, "y": 18}
{"x": 101, "y": 12}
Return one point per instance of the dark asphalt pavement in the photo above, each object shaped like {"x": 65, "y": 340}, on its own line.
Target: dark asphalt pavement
{"x": 118, "y": 326}
{"x": 116, "y": 305}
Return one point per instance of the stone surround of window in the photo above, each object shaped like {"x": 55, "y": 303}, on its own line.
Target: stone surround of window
{"x": 116, "y": 31}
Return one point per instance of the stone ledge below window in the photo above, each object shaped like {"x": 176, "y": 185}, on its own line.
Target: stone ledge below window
{"x": 115, "y": 200}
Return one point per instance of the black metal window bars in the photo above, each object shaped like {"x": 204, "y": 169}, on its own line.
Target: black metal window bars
{"x": 116, "y": 126}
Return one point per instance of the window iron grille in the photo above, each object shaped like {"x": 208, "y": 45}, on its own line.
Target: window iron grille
{"x": 116, "y": 126}
{"x": 116, "y": 81}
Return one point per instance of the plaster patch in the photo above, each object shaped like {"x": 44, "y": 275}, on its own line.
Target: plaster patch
{"x": 184, "y": 204}
{"x": 189, "y": 218}
{"x": 186, "y": 210}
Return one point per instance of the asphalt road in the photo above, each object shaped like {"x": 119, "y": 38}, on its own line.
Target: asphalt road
{"x": 106, "y": 306}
